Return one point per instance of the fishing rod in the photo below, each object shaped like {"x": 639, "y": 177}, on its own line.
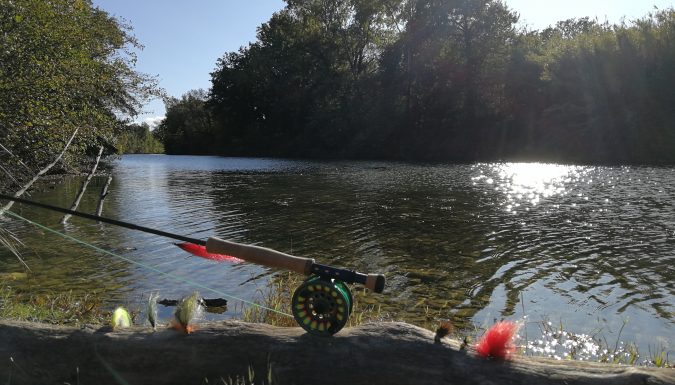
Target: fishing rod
{"x": 321, "y": 305}
{"x": 103, "y": 219}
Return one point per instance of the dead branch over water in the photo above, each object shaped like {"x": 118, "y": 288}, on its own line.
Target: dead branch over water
{"x": 80, "y": 194}
{"x": 104, "y": 194}
{"x": 40, "y": 173}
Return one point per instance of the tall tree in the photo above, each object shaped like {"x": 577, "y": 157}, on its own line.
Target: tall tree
{"x": 304, "y": 79}
{"x": 188, "y": 125}
{"x": 64, "y": 64}
{"x": 452, "y": 58}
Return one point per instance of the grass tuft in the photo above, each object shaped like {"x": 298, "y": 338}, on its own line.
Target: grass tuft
{"x": 660, "y": 358}
{"x": 247, "y": 379}
{"x": 65, "y": 308}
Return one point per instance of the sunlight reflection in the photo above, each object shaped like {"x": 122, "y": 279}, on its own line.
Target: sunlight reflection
{"x": 529, "y": 182}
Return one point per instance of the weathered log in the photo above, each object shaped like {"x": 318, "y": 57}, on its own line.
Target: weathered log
{"x": 40, "y": 173}
{"x": 379, "y": 353}
{"x": 85, "y": 183}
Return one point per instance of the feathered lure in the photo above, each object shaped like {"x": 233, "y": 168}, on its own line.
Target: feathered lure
{"x": 152, "y": 309}
{"x": 497, "y": 342}
{"x": 188, "y": 310}
{"x": 444, "y": 328}
{"x": 200, "y": 251}
{"x": 120, "y": 319}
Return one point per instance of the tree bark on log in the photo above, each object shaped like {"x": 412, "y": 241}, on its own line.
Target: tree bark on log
{"x": 39, "y": 174}
{"x": 104, "y": 194}
{"x": 80, "y": 194}
{"x": 379, "y": 353}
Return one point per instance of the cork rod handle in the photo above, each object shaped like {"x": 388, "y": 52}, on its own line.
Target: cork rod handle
{"x": 260, "y": 255}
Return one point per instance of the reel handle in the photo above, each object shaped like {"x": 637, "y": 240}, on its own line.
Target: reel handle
{"x": 260, "y": 255}
{"x": 375, "y": 282}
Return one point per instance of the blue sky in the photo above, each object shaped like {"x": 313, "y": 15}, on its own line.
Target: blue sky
{"x": 183, "y": 39}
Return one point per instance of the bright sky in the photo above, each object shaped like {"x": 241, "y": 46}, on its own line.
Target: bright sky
{"x": 183, "y": 39}
{"x": 539, "y": 14}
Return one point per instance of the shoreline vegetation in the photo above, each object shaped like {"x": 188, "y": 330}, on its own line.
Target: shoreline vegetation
{"x": 448, "y": 81}
{"x": 68, "y": 88}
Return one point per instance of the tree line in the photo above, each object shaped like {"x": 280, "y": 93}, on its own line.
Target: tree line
{"x": 136, "y": 138}
{"x": 436, "y": 80}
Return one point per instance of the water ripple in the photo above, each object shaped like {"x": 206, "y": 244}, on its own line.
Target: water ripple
{"x": 469, "y": 241}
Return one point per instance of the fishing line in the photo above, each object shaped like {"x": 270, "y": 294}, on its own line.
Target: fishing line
{"x": 151, "y": 268}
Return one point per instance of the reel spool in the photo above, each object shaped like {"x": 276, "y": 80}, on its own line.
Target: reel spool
{"x": 322, "y": 306}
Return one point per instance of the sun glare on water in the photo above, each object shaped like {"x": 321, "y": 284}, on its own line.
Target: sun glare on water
{"x": 528, "y": 183}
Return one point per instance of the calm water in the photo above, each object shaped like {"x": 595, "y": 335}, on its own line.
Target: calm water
{"x": 591, "y": 247}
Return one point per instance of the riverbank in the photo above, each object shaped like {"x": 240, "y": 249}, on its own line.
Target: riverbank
{"x": 90, "y": 311}
{"x": 58, "y": 309}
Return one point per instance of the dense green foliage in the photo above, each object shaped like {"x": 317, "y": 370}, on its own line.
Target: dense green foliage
{"x": 605, "y": 92}
{"x": 437, "y": 80}
{"x": 64, "y": 65}
{"x": 137, "y": 139}
{"x": 188, "y": 125}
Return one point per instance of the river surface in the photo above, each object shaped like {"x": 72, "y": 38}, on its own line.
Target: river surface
{"x": 591, "y": 248}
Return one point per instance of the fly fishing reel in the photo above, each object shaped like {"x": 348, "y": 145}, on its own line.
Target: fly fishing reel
{"x": 322, "y": 306}
{"x": 323, "y": 303}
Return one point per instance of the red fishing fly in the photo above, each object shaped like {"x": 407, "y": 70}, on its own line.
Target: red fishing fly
{"x": 200, "y": 251}
{"x": 497, "y": 342}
